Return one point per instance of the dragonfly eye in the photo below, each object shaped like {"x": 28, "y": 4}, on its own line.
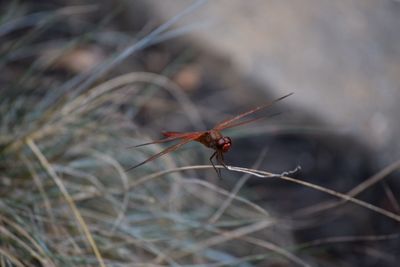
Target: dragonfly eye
{"x": 224, "y": 144}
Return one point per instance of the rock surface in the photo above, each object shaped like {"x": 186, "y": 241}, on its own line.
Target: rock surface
{"x": 341, "y": 58}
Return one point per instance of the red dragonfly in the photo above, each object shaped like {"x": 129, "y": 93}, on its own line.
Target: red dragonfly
{"x": 211, "y": 138}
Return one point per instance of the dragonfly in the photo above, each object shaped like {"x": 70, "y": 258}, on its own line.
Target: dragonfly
{"x": 213, "y": 138}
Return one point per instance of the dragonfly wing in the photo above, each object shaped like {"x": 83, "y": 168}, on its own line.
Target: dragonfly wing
{"x": 165, "y": 140}
{"x": 165, "y": 151}
{"x": 235, "y": 124}
{"x": 179, "y": 134}
{"x": 170, "y": 136}
{"x": 224, "y": 124}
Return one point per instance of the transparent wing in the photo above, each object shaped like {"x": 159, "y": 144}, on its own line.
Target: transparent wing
{"x": 171, "y": 136}
{"x": 179, "y": 134}
{"x": 247, "y": 121}
{"x": 165, "y": 151}
{"x": 229, "y": 122}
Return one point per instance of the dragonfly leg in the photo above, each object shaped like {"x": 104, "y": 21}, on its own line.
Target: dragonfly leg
{"x": 218, "y": 171}
{"x": 220, "y": 158}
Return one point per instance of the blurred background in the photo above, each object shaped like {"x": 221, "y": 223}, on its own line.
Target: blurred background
{"x": 84, "y": 80}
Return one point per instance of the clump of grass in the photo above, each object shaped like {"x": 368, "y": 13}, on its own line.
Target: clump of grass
{"x": 65, "y": 198}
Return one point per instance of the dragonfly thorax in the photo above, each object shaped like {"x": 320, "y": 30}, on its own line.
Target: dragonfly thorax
{"x": 214, "y": 139}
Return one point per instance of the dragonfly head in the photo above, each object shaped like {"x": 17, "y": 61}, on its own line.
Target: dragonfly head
{"x": 224, "y": 144}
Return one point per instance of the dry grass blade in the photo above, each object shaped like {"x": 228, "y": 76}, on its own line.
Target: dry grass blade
{"x": 98, "y": 95}
{"x": 225, "y": 193}
{"x": 124, "y": 180}
{"x": 39, "y": 255}
{"x": 81, "y": 103}
{"x": 353, "y": 192}
{"x": 272, "y": 247}
{"x": 263, "y": 174}
{"x": 46, "y": 165}
{"x": 392, "y": 198}
{"x": 344, "y": 239}
{"x": 375, "y": 178}
{"x": 11, "y": 258}
{"x": 6, "y": 233}
{"x": 42, "y": 191}
{"x": 152, "y": 176}
{"x": 224, "y": 236}
{"x": 235, "y": 190}
{"x": 141, "y": 44}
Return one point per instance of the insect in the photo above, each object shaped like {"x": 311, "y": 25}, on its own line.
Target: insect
{"x": 211, "y": 138}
